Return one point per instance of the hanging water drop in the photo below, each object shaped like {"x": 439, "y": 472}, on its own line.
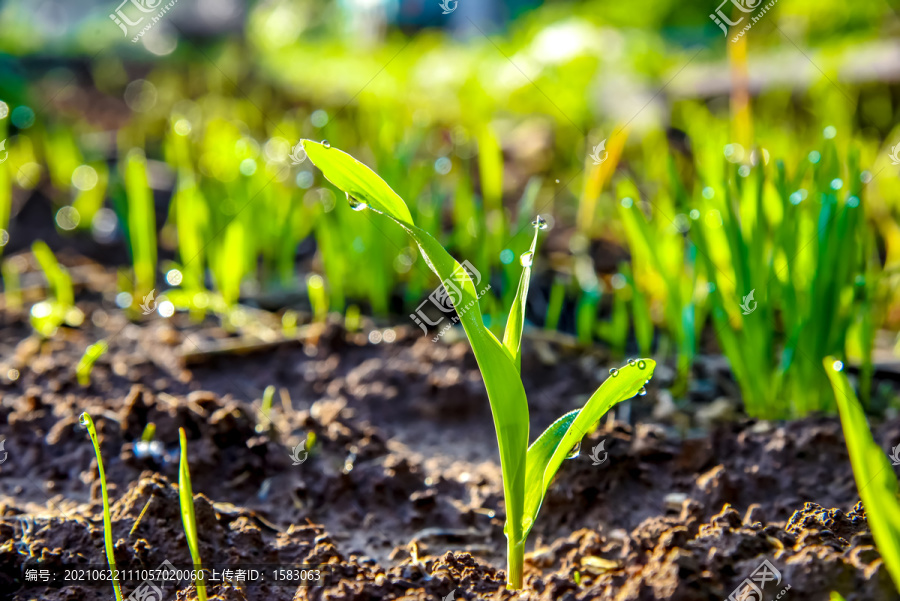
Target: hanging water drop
{"x": 356, "y": 205}
{"x": 326, "y": 143}
{"x": 642, "y": 364}
{"x": 614, "y": 372}
{"x": 631, "y": 362}
{"x": 837, "y": 366}
{"x": 575, "y": 450}
{"x": 526, "y": 258}
{"x": 540, "y": 223}
{"x": 642, "y": 391}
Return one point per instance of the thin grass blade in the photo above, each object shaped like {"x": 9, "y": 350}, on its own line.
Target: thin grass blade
{"x": 88, "y": 423}
{"x": 186, "y": 501}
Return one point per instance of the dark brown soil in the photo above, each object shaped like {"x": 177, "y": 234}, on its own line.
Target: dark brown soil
{"x": 401, "y": 494}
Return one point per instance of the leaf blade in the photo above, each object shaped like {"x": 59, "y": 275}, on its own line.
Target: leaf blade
{"x": 357, "y": 180}
{"x": 550, "y": 449}
{"x": 512, "y": 335}
{"x": 875, "y": 479}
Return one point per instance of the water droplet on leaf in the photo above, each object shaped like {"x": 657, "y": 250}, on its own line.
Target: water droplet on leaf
{"x": 540, "y": 223}
{"x": 631, "y": 362}
{"x": 356, "y": 205}
{"x": 614, "y": 372}
{"x": 575, "y": 450}
{"x": 642, "y": 391}
{"x": 326, "y": 143}
{"x": 837, "y": 366}
{"x": 526, "y": 258}
{"x": 642, "y": 364}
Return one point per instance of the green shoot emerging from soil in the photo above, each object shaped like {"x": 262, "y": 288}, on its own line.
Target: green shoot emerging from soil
{"x": 48, "y": 315}
{"x": 186, "y": 499}
{"x": 86, "y": 363}
{"x": 527, "y": 471}
{"x": 872, "y": 471}
{"x": 88, "y": 423}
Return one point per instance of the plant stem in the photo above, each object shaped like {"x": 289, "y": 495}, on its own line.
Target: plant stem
{"x": 515, "y": 560}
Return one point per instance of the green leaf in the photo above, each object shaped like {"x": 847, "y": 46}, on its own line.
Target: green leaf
{"x": 357, "y": 180}
{"x": 512, "y": 336}
{"x": 188, "y": 518}
{"x": 501, "y": 378}
{"x": 874, "y": 474}
{"x": 88, "y": 423}
{"x": 551, "y": 448}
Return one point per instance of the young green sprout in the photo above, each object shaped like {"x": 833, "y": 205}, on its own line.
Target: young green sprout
{"x": 527, "y": 471}
{"x": 265, "y": 409}
{"x": 47, "y": 316}
{"x": 88, "y": 423}
{"x": 186, "y": 500}
{"x": 318, "y": 298}
{"x": 86, "y": 363}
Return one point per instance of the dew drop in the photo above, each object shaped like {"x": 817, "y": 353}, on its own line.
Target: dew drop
{"x": 575, "y": 450}
{"x": 83, "y": 419}
{"x": 557, "y": 181}
{"x": 642, "y": 364}
{"x": 632, "y": 362}
{"x": 642, "y": 391}
{"x": 614, "y": 372}
{"x": 356, "y": 205}
{"x": 326, "y": 143}
{"x": 526, "y": 258}
{"x": 540, "y": 223}
{"x": 837, "y": 366}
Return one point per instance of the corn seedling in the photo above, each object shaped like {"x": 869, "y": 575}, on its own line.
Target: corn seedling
{"x": 265, "y": 409}
{"x": 527, "y": 471}
{"x": 149, "y": 432}
{"x": 12, "y": 287}
{"x": 47, "y": 316}
{"x": 86, "y": 363}
{"x": 874, "y": 475}
{"x": 141, "y": 222}
{"x": 88, "y": 423}
{"x": 186, "y": 500}
{"x": 318, "y": 298}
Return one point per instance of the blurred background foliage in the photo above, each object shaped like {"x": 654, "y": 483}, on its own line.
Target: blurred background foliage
{"x": 762, "y": 165}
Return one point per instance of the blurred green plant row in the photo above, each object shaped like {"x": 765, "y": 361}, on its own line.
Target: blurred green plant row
{"x": 805, "y": 217}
